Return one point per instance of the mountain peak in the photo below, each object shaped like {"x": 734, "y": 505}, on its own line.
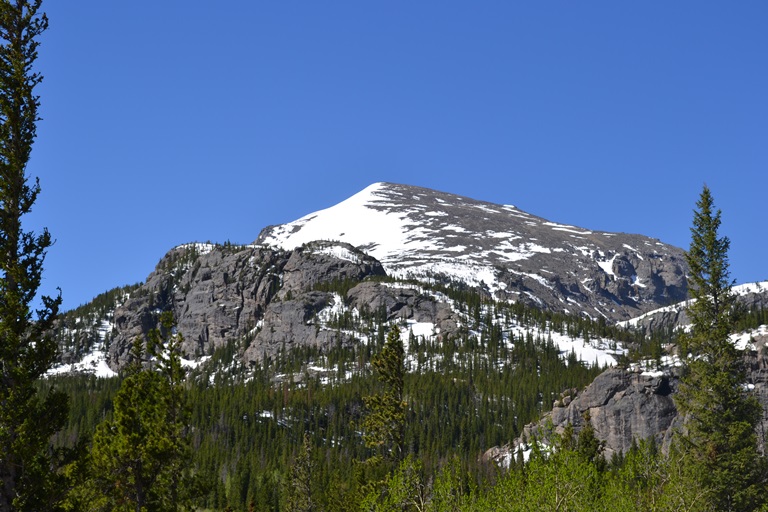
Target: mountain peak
{"x": 419, "y": 232}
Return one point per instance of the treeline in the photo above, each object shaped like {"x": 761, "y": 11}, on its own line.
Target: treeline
{"x": 464, "y": 397}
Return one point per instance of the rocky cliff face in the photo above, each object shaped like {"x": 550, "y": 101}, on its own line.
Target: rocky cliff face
{"x": 621, "y": 405}
{"x": 222, "y": 293}
{"x": 271, "y": 294}
{"x": 627, "y": 404}
{"x": 752, "y": 296}
{"x": 267, "y": 299}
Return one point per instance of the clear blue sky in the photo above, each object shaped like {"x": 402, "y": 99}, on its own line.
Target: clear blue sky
{"x": 173, "y": 121}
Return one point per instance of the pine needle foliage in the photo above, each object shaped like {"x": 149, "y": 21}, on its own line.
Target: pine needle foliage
{"x": 384, "y": 424}
{"x": 300, "y": 484}
{"x": 712, "y": 307}
{"x": 719, "y": 438}
{"x": 27, "y": 420}
{"x": 141, "y": 458}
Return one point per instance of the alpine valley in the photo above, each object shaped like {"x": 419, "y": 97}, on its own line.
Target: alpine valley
{"x": 513, "y": 327}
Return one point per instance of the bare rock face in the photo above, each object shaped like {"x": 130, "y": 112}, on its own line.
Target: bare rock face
{"x": 625, "y": 406}
{"x": 404, "y": 303}
{"x": 757, "y": 368}
{"x": 291, "y": 323}
{"x": 268, "y": 299}
{"x": 294, "y": 320}
{"x": 622, "y": 406}
{"x": 325, "y": 262}
{"x": 753, "y": 296}
{"x": 215, "y": 294}
{"x": 226, "y": 293}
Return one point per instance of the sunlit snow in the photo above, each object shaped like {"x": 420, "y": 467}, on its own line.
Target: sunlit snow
{"x": 607, "y": 266}
{"x": 94, "y": 363}
{"x": 371, "y": 221}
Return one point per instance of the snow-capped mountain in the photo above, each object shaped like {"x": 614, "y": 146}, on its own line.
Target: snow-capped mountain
{"x": 298, "y": 281}
{"x": 422, "y": 233}
{"x": 309, "y": 298}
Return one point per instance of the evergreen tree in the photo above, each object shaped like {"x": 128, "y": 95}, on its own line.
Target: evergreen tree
{"x": 300, "y": 485}
{"x": 140, "y": 459}
{"x": 165, "y": 346}
{"x": 709, "y": 283}
{"x": 588, "y": 445}
{"x": 27, "y": 420}
{"x": 384, "y": 424}
{"x": 720, "y": 415}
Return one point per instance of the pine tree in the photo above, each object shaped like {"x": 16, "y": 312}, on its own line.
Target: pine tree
{"x": 27, "y": 420}
{"x": 140, "y": 459}
{"x": 384, "y": 424}
{"x": 709, "y": 283}
{"x": 588, "y": 445}
{"x": 300, "y": 484}
{"x": 165, "y": 346}
{"x": 720, "y": 415}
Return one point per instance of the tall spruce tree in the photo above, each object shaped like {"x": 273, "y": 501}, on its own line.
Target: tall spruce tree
{"x": 300, "y": 481}
{"x": 384, "y": 424}
{"x": 27, "y": 420}
{"x": 720, "y": 414}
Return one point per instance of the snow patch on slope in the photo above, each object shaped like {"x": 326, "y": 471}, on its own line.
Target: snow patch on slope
{"x": 359, "y": 220}
{"x": 373, "y": 221}
{"x": 94, "y": 362}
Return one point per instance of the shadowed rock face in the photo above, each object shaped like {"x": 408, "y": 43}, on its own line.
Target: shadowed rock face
{"x": 269, "y": 297}
{"x": 753, "y": 296}
{"x": 405, "y": 303}
{"x": 622, "y": 405}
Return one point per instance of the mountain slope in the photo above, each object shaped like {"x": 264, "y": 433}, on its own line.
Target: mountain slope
{"x": 422, "y": 233}
{"x": 296, "y": 288}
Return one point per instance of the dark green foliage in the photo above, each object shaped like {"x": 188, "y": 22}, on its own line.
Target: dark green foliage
{"x": 28, "y": 419}
{"x": 299, "y": 487}
{"x": 589, "y": 446}
{"x": 719, "y": 440}
{"x": 246, "y": 434}
{"x": 384, "y": 421}
{"x": 140, "y": 459}
{"x": 461, "y": 395}
{"x": 709, "y": 280}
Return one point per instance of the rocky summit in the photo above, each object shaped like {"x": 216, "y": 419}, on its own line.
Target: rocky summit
{"x": 424, "y": 234}
{"x": 397, "y": 255}
{"x": 290, "y": 287}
